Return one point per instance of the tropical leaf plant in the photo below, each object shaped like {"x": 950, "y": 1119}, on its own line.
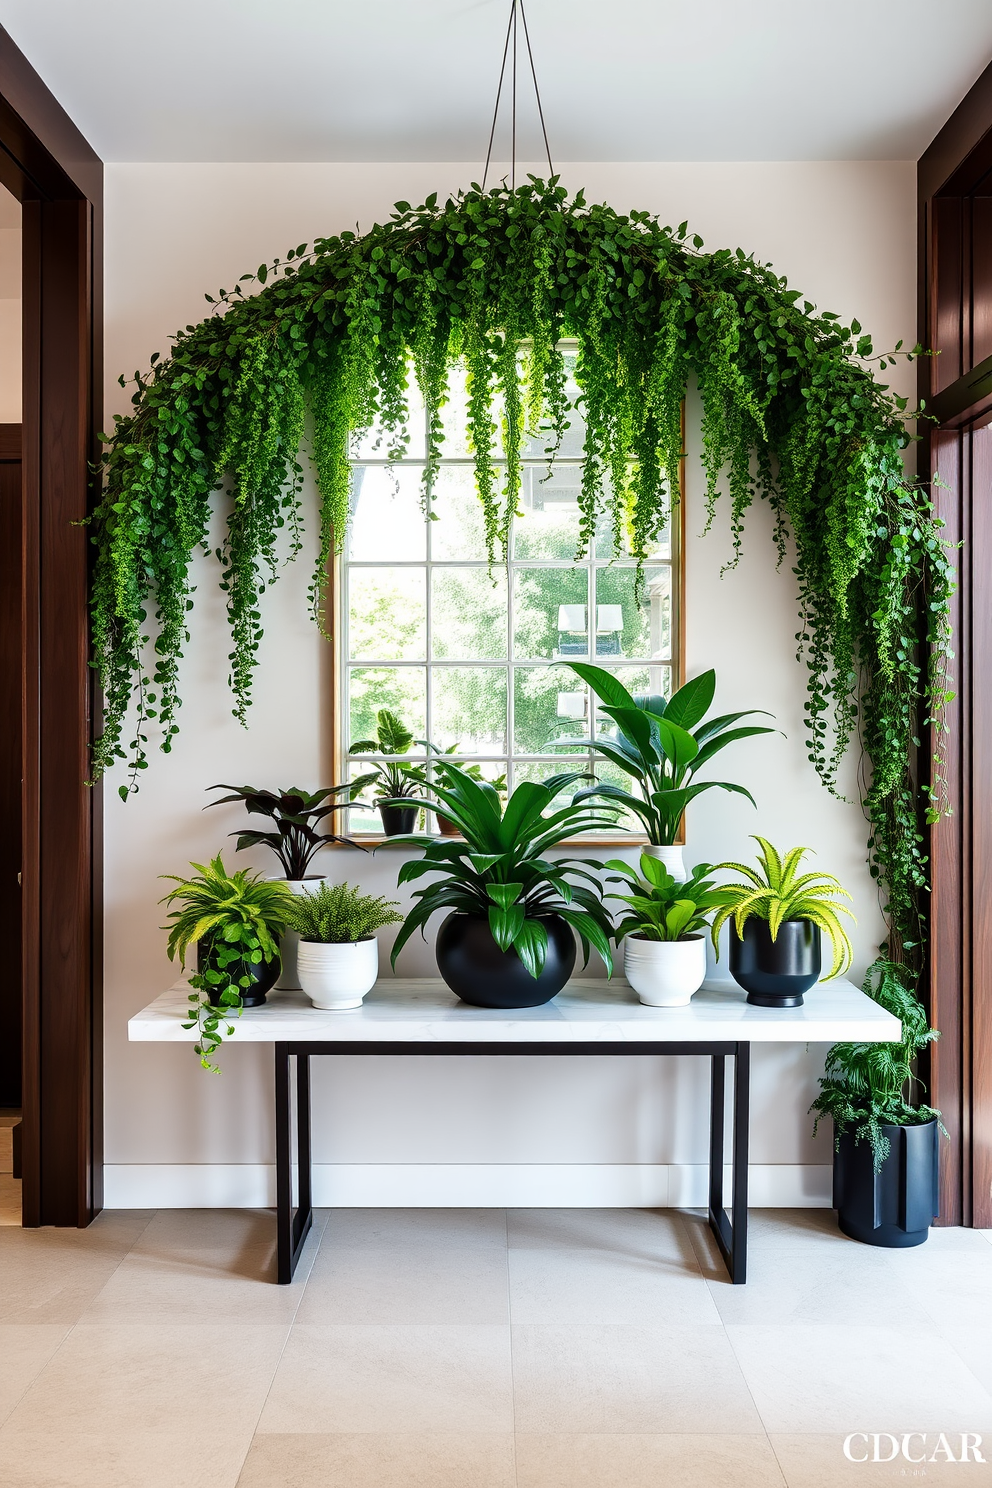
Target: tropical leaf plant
{"x": 297, "y": 814}
{"x": 776, "y": 891}
{"x": 662, "y": 908}
{"x": 661, "y": 744}
{"x": 237, "y": 919}
{"x": 337, "y": 914}
{"x": 499, "y": 871}
{"x": 392, "y": 777}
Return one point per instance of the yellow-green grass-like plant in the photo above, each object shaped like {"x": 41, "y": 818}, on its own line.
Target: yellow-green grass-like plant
{"x": 775, "y": 891}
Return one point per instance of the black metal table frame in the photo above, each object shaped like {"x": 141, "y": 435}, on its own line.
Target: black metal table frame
{"x": 294, "y": 1222}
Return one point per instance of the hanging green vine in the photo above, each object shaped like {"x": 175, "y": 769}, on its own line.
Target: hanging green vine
{"x": 791, "y": 411}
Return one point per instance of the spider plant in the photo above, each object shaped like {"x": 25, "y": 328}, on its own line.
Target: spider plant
{"x": 296, "y": 814}
{"x": 661, "y": 744}
{"x": 499, "y": 872}
{"x": 776, "y": 892}
{"x": 662, "y": 908}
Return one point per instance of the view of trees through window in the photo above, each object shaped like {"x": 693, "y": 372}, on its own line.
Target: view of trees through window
{"x": 473, "y": 660}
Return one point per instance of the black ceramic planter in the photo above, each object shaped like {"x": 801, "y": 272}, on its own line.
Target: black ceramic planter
{"x": 263, "y": 977}
{"x": 775, "y": 973}
{"x": 397, "y": 821}
{"x": 478, "y": 972}
{"x": 895, "y": 1207}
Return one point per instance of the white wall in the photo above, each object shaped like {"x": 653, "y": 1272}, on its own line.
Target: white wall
{"x": 533, "y": 1131}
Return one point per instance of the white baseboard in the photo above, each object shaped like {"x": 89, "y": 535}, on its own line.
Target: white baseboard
{"x": 461, "y": 1185}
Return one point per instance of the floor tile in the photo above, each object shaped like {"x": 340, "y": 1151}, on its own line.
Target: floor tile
{"x": 647, "y": 1232}
{"x": 646, "y": 1461}
{"x": 628, "y": 1379}
{"x": 846, "y": 1285}
{"x": 952, "y": 1279}
{"x": 152, "y": 1379}
{"x": 842, "y": 1378}
{"x": 974, "y": 1346}
{"x": 154, "y": 1289}
{"x": 460, "y": 1228}
{"x": 394, "y": 1460}
{"x": 201, "y": 1457}
{"x": 52, "y": 1275}
{"x": 178, "y": 1232}
{"x": 422, "y": 1284}
{"x": 818, "y": 1461}
{"x": 592, "y": 1286}
{"x": 386, "y": 1379}
{"x": 25, "y": 1349}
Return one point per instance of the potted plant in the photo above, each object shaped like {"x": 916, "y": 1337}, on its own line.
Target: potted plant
{"x": 445, "y": 825}
{"x": 664, "y": 947}
{"x": 396, "y": 779}
{"x": 776, "y": 922}
{"x": 885, "y": 1138}
{"x": 338, "y": 956}
{"x": 661, "y": 744}
{"x": 295, "y": 840}
{"x": 508, "y": 942}
{"x": 236, "y": 921}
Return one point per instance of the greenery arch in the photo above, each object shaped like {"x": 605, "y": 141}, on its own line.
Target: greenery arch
{"x": 791, "y": 411}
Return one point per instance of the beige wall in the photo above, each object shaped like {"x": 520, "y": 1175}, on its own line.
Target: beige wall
{"x": 10, "y": 309}
{"x": 557, "y": 1130}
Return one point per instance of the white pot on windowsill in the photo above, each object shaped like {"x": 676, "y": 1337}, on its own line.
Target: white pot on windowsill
{"x": 665, "y": 973}
{"x": 670, "y": 856}
{"x": 337, "y": 976}
{"x": 288, "y": 978}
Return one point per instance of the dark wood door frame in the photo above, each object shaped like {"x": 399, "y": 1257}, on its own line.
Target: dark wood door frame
{"x": 955, "y": 320}
{"x": 58, "y": 178}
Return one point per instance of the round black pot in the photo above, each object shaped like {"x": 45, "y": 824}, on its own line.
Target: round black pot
{"x": 896, "y": 1206}
{"x": 478, "y": 972}
{"x": 263, "y": 977}
{"x": 775, "y": 973}
{"x": 397, "y": 821}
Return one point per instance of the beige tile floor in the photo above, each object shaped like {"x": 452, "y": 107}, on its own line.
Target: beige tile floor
{"x": 485, "y": 1349}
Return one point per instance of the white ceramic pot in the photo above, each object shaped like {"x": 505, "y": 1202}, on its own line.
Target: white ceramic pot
{"x": 670, "y": 856}
{"x": 336, "y": 977}
{"x": 665, "y": 973}
{"x": 288, "y": 979}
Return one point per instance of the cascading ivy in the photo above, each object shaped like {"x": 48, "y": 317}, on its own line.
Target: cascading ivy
{"x": 791, "y": 411}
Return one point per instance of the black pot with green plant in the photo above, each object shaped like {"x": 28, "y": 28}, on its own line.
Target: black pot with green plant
{"x": 776, "y": 919}
{"x": 296, "y": 815}
{"x": 508, "y": 942}
{"x": 395, "y": 779}
{"x": 661, "y": 744}
{"x": 236, "y": 921}
{"x": 886, "y": 1140}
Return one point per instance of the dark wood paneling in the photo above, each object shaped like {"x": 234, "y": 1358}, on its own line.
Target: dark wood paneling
{"x": 981, "y": 765}
{"x": 10, "y": 763}
{"x": 945, "y": 321}
{"x": 38, "y": 137}
{"x": 960, "y": 154}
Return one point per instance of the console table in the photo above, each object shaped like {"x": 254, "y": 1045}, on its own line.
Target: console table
{"x": 588, "y": 1017}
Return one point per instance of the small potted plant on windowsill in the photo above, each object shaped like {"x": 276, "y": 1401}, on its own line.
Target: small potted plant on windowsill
{"x": 885, "y": 1138}
{"x": 776, "y": 919}
{"x": 396, "y": 779}
{"x": 661, "y": 744}
{"x": 235, "y": 920}
{"x": 664, "y": 944}
{"x": 338, "y": 955}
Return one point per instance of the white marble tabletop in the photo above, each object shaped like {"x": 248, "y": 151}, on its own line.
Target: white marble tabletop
{"x": 424, "y": 1011}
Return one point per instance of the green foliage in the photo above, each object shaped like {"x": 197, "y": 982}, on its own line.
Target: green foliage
{"x": 391, "y": 779}
{"x": 334, "y": 914}
{"x": 498, "y": 871}
{"x": 296, "y": 814}
{"x": 866, "y": 1086}
{"x": 661, "y": 745}
{"x": 663, "y": 908}
{"x": 775, "y": 893}
{"x": 237, "y": 920}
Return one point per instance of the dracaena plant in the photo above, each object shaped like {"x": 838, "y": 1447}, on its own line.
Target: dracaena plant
{"x": 660, "y": 907}
{"x": 499, "y": 871}
{"x": 392, "y": 777}
{"x": 661, "y": 744}
{"x": 297, "y": 814}
{"x": 776, "y": 891}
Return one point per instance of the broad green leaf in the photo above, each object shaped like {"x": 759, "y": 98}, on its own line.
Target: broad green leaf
{"x": 687, "y": 706}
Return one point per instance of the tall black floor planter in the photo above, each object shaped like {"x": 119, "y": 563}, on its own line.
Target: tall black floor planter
{"x": 896, "y": 1206}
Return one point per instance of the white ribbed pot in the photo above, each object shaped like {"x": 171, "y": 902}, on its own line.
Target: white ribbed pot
{"x": 670, "y": 856}
{"x": 288, "y": 979}
{"x": 665, "y": 973}
{"x": 336, "y": 977}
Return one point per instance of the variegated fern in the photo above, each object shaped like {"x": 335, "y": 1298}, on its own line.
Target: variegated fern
{"x": 776, "y": 892}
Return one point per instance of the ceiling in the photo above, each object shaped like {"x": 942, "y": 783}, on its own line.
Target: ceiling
{"x": 375, "y": 80}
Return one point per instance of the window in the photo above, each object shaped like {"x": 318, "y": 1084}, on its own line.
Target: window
{"x": 467, "y": 660}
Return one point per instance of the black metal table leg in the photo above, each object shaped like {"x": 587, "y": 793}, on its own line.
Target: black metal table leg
{"x": 292, "y": 1227}
{"x": 730, "y": 1233}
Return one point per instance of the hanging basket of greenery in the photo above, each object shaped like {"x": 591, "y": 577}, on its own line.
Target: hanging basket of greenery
{"x": 791, "y": 410}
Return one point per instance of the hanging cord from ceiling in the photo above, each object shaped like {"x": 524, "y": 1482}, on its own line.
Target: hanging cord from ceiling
{"x": 516, "y": 7}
